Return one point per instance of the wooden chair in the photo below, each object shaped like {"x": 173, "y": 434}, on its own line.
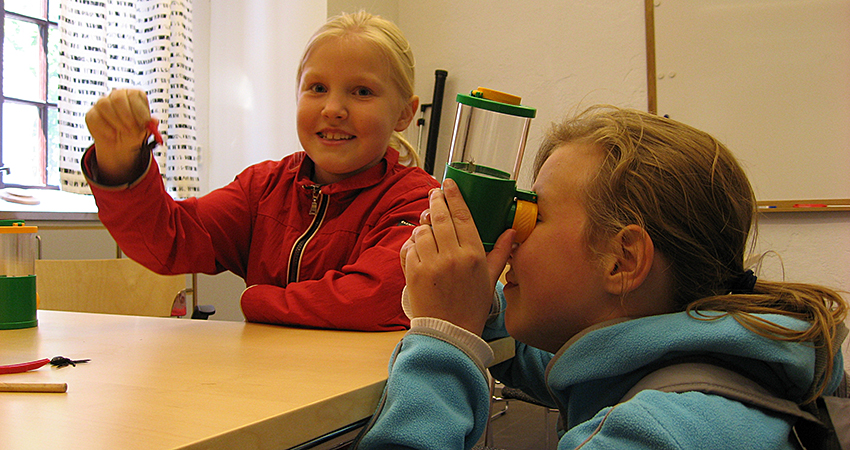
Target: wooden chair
{"x": 111, "y": 286}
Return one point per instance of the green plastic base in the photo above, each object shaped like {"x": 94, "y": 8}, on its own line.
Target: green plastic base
{"x": 17, "y": 302}
{"x": 489, "y": 193}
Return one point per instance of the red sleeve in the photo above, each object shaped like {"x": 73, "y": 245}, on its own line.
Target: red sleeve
{"x": 168, "y": 236}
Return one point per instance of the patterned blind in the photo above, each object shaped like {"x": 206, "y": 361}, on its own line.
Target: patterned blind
{"x": 140, "y": 44}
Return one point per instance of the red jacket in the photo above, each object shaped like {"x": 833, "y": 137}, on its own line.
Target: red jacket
{"x": 335, "y": 267}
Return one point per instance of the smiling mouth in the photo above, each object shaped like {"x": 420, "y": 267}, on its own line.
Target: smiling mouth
{"x": 335, "y": 136}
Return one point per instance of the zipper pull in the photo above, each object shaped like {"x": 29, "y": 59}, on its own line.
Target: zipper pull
{"x": 314, "y": 207}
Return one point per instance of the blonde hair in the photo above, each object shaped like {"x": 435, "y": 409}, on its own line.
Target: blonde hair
{"x": 389, "y": 40}
{"x": 689, "y": 193}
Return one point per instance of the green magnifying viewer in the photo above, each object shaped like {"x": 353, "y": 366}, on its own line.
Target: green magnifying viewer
{"x": 18, "y": 301}
{"x": 488, "y": 142}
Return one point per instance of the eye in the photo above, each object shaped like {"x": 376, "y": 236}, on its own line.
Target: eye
{"x": 362, "y": 92}
{"x": 318, "y": 88}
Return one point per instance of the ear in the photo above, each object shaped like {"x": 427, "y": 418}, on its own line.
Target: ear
{"x": 407, "y": 113}
{"x": 632, "y": 255}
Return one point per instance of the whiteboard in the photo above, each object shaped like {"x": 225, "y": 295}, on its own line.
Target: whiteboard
{"x": 770, "y": 79}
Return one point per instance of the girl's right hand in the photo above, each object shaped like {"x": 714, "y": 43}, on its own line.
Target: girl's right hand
{"x": 118, "y": 124}
{"x": 447, "y": 272}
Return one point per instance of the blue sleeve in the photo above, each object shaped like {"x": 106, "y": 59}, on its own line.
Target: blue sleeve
{"x": 436, "y": 397}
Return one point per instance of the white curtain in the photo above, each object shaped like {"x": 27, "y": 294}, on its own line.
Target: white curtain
{"x": 141, "y": 44}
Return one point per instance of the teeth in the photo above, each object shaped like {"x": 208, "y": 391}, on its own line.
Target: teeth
{"x": 336, "y": 136}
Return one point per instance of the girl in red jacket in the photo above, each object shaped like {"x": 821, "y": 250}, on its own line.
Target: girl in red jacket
{"x": 316, "y": 235}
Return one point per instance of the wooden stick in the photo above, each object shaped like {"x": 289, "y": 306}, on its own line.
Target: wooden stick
{"x": 34, "y": 387}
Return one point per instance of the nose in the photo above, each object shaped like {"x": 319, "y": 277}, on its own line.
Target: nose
{"x": 335, "y": 108}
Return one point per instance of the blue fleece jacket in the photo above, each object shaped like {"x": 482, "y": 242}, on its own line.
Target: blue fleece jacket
{"x": 437, "y": 393}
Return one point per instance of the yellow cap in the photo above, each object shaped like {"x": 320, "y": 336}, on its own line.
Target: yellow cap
{"x": 497, "y": 96}
{"x": 525, "y": 218}
{"x": 18, "y": 228}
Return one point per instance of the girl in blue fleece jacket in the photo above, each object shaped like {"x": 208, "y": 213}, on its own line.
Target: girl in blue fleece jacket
{"x": 637, "y": 258}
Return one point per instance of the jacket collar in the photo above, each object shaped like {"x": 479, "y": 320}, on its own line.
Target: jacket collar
{"x": 599, "y": 365}
{"x": 362, "y": 180}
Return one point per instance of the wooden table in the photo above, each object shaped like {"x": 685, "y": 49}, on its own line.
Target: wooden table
{"x": 157, "y": 383}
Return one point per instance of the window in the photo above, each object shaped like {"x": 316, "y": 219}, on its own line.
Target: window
{"x": 29, "y": 143}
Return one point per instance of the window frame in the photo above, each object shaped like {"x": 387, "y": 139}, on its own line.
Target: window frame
{"x": 44, "y": 107}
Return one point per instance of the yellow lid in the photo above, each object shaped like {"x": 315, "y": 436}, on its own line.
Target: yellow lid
{"x": 525, "y": 218}
{"x": 497, "y": 96}
{"x": 18, "y": 228}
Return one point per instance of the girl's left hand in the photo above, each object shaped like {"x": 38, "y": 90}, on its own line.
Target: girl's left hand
{"x": 448, "y": 274}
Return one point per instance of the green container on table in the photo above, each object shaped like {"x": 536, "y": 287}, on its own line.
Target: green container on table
{"x": 18, "y": 300}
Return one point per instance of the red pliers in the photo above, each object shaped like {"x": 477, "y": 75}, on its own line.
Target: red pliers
{"x": 23, "y": 367}
{"x": 58, "y": 361}
{"x": 153, "y": 128}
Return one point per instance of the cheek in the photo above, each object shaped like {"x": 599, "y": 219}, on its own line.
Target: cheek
{"x": 307, "y": 106}
{"x": 302, "y": 117}
{"x": 381, "y": 118}
{"x": 545, "y": 269}
{"x": 377, "y": 125}
{"x": 538, "y": 261}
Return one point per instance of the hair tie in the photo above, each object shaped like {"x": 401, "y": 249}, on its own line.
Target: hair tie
{"x": 743, "y": 283}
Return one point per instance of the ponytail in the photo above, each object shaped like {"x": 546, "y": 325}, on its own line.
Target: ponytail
{"x": 407, "y": 155}
{"x": 823, "y": 308}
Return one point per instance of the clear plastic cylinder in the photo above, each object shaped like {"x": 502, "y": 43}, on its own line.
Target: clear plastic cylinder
{"x": 17, "y": 251}
{"x": 489, "y": 138}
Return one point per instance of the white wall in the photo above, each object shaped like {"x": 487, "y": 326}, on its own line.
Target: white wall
{"x": 554, "y": 54}
{"x": 387, "y": 9}
{"x": 254, "y": 49}
{"x": 811, "y": 247}
{"x": 246, "y": 55}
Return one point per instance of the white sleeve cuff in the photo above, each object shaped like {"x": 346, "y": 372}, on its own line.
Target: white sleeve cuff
{"x": 468, "y": 342}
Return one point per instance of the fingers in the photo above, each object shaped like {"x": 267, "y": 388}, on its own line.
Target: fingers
{"x": 138, "y": 101}
{"x": 449, "y": 219}
{"x": 118, "y": 123}
{"x": 464, "y": 227}
{"x": 99, "y": 126}
{"x": 425, "y": 242}
{"x": 102, "y": 117}
{"x": 410, "y": 244}
{"x": 120, "y": 103}
{"x": 419, "y": 246}
{"x": 122, "y": 112}
{"x": 441, "y": 220}
{"x": 446, "y": 279}
{"x": 408, "y": 250}
{"x": 498, "y": 257}
{"x": 131, "y": 109}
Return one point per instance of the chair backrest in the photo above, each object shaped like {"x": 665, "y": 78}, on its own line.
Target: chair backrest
{"x": 112, "y": 286}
